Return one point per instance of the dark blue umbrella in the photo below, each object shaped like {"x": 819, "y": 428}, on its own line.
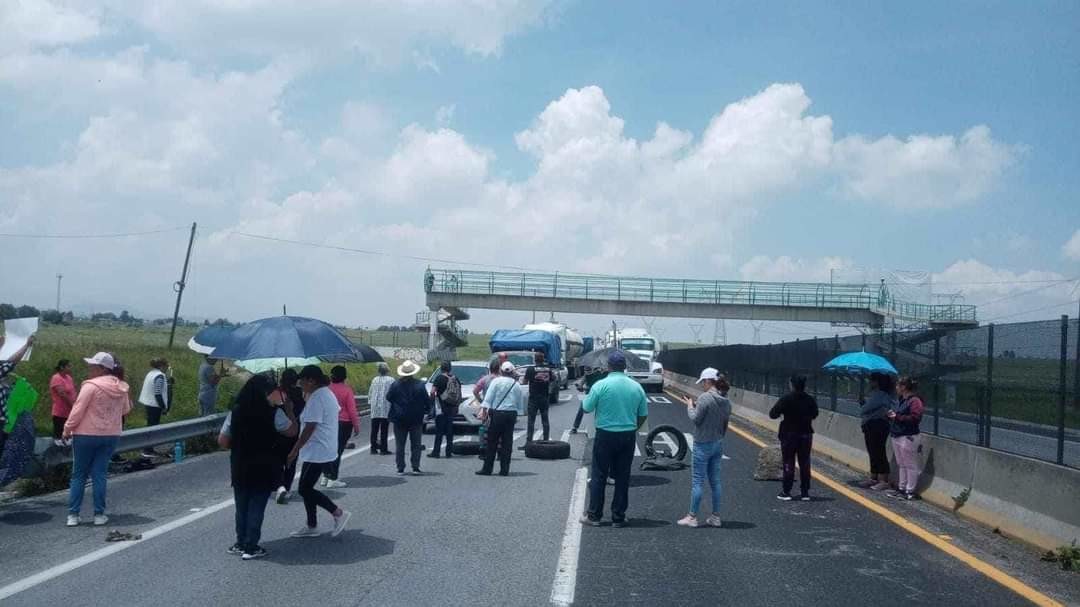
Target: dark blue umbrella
{"x": 857, "y": 363}
{"x": 288, "y": 337}
{"x": 209, "y": 338}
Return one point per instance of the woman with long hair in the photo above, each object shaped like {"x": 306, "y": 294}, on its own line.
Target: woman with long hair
{"x": 62, "y": 391}
{"x": 875, "y": 426}
{"x": 289, "y": 393}
{"x": 904, "y": 429}
{"x": 251, "y": 432}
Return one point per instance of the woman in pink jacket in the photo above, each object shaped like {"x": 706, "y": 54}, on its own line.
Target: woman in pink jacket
{"x": 95, "y": 423}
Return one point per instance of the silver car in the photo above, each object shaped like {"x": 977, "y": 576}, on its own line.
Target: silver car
{"x": 468, "y": 373}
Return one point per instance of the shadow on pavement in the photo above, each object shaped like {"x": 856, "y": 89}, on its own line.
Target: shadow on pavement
{"x": 128, "y": 520}
{"x": 513, "y": 474}
{"x": 642, "y": 480}
{"x": 24, "y": 518}
{"x": 352, "y": 546}
{"x": 737, "y": 526}
{"x": 646, "y": 523}
{"x": 372, "y": 482}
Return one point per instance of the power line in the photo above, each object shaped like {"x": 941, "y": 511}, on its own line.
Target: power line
{"x": 92, "y": 236}
{"x": 1026, "y": 292}
{"x": 1040, "y": 309}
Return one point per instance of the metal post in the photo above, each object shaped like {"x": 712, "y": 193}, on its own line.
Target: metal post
{"x": 937, "y": 384}
{"x": 836, "y": 352}
{"x": 433, "y": 333}
{"x": 1061, "y": 395}
{"x": 980, "y": 404}
{"x": 59, "y": 277}
{"x": 179, "y": 286}
{"x": 862, "y": 378}
{"x": 1076, "y": 367}
{"x": 989, "y": 381}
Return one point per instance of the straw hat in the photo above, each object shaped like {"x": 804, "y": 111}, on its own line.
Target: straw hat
{"x": 408, "y": 369}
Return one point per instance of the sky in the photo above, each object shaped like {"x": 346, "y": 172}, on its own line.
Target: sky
{"x": 917, "y": 141}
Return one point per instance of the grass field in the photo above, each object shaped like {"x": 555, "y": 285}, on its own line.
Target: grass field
{"x": 135, "y": 347}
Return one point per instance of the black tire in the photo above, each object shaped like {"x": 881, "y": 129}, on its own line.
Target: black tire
{"x": 680, "y": 439}
{"x": 553, "y": 395}
{"x": 467, "y": 447}
{"x": 547, "y": 449}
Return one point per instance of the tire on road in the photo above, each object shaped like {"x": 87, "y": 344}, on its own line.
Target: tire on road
{"x": 680, "y": 440}
{"x": 468, "y": 447}
{"x": 547, "y": 449}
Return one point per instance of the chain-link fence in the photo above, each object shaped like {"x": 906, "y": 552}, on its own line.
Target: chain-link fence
{"x": 1013, "y": 387}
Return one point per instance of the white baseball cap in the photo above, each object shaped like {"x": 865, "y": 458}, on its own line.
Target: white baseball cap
{"x": 102, "y": 359}
{"x": 507, "y": 367}
{"x": 708, "y": 373}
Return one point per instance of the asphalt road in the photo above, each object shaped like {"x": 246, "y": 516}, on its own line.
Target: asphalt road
{"x": 453, "y": 538}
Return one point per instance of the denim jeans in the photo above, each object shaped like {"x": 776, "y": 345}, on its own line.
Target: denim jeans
{"x": 612, "y": 455}
{"x": 250, "y": 508}
{"x": 444, "y": 427}
{"x": 91, "y": 455}
{"x": 707, "y": 457}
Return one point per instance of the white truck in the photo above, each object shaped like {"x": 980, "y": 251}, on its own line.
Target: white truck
{"x": 572, "y": 348}
{"x": 644, "y": 346}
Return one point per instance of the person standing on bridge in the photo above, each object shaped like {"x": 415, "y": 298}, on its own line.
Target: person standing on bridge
{"x": 317, "y": 448}
{"x": 798, "y": 410}
{"x": 503, "y": 402}
{"x": 875, "y": 426}
{"x": 94, "y": 426}
{"x": 409, "y": 403}
{"x": 380, "y": 409}
{"x": 904, "y": 429}
{"x": 539, "y": 377}
{"x": 710, "y": 414}
{"x": 621, "y": 407}
{"x": 348, "y": 422}
{"x": 251, "y": 432}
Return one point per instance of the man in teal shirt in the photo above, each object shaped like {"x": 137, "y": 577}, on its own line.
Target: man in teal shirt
{"x": 621, "y": 408}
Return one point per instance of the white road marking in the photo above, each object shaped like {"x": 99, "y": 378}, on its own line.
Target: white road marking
{"x": 518, "y": 435}
{"x": 538, "y": 434}
{"x": 690, "y": 442}
{"x": 637, "y": 450}
{"x": 670, "y": 442}
{"x": 58, "y": 570}
{"x": 565, "y": 398}
{"x": 562, "y": 589}
{"x": 661, "y": 400}
{"x": 565, "y": 436}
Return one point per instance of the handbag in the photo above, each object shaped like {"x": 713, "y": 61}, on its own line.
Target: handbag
{"x": 487, "y": 420}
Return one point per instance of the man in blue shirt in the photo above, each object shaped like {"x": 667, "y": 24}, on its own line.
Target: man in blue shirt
{"x": 620, "y": 408}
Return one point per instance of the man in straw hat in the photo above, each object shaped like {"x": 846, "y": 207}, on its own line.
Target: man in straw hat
{"x": 409, "y": 402}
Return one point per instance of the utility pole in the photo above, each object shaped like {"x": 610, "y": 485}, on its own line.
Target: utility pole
{"x": 179, "y": 286}
{"x": 719, "y": 336}
{"x": 695, "y": 328}
{"x": 59, "y": 277}
{"x": 757, "y": 324}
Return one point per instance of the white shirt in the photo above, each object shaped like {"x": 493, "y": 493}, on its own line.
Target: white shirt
{"x": 504, "y": 394}
{"x": 322, "y": 410}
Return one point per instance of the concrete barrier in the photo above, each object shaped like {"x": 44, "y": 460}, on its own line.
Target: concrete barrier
{"x": 1028, "y": 499}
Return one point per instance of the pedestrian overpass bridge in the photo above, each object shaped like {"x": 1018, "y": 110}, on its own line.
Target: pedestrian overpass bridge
{"x": 853, "y": 304}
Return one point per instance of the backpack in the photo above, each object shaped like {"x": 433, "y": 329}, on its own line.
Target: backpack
{"x": 451, "y": 397}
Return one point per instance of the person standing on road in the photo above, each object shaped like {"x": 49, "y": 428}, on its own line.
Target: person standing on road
{"x": 539, "y": 377}
{"x": 875, "y": 426}
{"x": 446, "y": 391}
{"x": 710, "y": 414}
{"x": 251, "y": 433}
{"x": 503, "y": 402}
{"x": 7, "y": 367}
{"x": 209, "y": 379}
{"x": 409, "y": 403}
{"x": 798, "y": 410}
{"x": 620, "y": 407}
{"x": 348, "y": 422}
{"x": 317, "y": 448}
{"x": 154, "y": 396}
{"x": 290, "y": 394}
{"x": 94, "y": 426}
{"x": 904, "y": 429}
{"x": 485, "y": 381}
{"x": 591, "y": 377}
{"x": 380, "y": 409}
{"x": 62, "y": 391}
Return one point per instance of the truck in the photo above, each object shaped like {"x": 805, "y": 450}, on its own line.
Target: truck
{"x": 646, "y": 347}
{"x": 573, "y": 346}
{"x": 519, "y": 345}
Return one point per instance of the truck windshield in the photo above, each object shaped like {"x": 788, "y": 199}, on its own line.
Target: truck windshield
{"x": 637, "y": 344}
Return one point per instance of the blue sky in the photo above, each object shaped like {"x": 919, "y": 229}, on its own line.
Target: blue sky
{"x": 914, "y": 136}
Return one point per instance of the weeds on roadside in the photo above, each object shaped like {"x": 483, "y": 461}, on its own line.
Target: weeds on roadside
{"x": 1067, "y": 556}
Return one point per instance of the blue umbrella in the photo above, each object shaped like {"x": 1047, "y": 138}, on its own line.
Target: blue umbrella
{"x": 209, "y": 338}
{"x": 857, "y": 363}
{"x": 287, "y": 337}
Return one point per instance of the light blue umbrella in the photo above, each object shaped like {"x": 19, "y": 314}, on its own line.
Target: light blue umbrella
{"x": 290, "y": 337}
{"x": 858, "y": 363}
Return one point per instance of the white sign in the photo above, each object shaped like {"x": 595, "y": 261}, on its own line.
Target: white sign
{"x": 16, "y": 332}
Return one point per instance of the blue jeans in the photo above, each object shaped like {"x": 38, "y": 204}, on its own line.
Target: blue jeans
{"x": 707, "y": 457}
{"x": 91, "y": 457}
{"x": 250, "y": 509}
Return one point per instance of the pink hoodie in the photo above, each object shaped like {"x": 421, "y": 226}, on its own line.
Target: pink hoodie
{"x": 100, "y": 408}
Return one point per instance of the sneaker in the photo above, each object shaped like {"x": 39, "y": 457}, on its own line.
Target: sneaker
{"x": 100, "y": 520}
{"x": 282, "y": 496}
{"x": 573, "y": 430}
{"x": 910, "y": 497}
{"x": 804, "y": 497}
{"x": 417, "y": 472}
{"x": 235, "y": 550}
{"x": 340, "y": 522}
{"x": 504, "y": 473}
{"x": 866, "y": 483}
{"x": 895, "y": 493}
{"x": 434, "y": 454}
{"x": 618, "y": 524}
{"x": 714, "y": 521}
{"x": 73, "y": 520}
{"x": 257, "y": 553}
{"x": 688, "y": 521}
{"x": 336, "y": 484}
{"x": 401, "y": 473}
{"x": 449, "y": 455}
{"x": 323, "y": 481}
{"x": 592, "y": 522}
{"x": 483, "y": 473}
{"x": 784, "y": 496}
{"x": 306, "y": 531}
{"x": 880, "y": 486}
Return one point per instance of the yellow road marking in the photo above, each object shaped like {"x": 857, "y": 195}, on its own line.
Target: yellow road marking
{"x": 970, "y": 560}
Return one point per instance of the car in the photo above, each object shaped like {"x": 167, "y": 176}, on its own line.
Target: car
{"x": 468, "y": 373}
{"x": 523, "y": 360}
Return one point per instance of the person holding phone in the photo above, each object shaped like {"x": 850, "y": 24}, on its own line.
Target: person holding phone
{"x": 710, "y": 413}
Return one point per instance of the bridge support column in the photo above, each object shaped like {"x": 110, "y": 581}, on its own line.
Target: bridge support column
{"x": 433, "y": 334}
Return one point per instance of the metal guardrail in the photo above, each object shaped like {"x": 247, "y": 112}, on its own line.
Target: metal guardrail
{"x": 162, "y": 434}
{"x": 672, "y": 290}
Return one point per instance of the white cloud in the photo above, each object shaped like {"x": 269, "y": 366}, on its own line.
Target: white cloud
{"x": 923, "y": 171}
{"x": 1071, "y": 249}
{"x": 762, "y": 268}
{"x": 28, "y": 24}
